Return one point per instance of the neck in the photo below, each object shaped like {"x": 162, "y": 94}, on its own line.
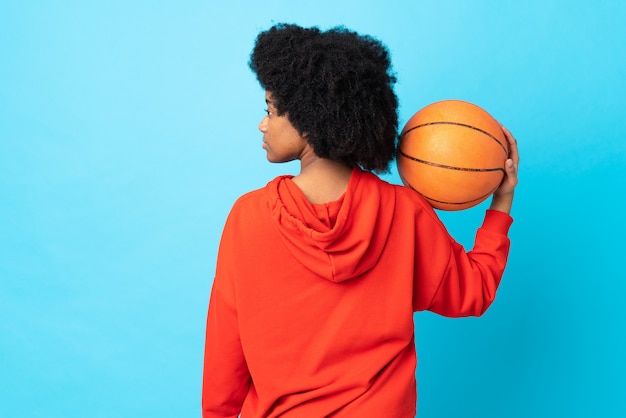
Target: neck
{"x": 322, "y": 180}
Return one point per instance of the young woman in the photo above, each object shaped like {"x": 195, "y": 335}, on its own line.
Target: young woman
{"x": 319, "y": 274}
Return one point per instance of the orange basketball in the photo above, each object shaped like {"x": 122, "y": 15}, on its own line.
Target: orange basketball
{"x": 452, "y": 153}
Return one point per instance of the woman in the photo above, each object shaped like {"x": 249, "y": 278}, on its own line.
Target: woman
{"x": 318, "y": 274}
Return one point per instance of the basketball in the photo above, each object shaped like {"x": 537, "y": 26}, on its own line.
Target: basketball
{"x": 452, "y": 153}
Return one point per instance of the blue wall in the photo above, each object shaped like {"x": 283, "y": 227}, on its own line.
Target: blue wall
{"x": 127, "y": 130}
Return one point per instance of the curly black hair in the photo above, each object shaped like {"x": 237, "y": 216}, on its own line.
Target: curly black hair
{"x": 335, "y": 86}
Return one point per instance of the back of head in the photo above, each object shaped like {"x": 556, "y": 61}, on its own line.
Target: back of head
{"x": 336, "y": 87}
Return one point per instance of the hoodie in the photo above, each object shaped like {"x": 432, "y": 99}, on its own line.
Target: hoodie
{"x": 311, "y": 310}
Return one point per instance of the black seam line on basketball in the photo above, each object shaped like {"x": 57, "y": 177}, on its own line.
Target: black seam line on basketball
{"x": 449, "y": 167}
{"x": 463, "y": 125}
{"x": 443, "y": 201}
{"x": 480, "y": 198}
{"x": 455, "y": 203}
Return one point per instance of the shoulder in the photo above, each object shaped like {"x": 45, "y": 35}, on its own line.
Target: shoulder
{"x": 247, "y": 215}
{"x": 410, "y": 196}
{"x": 403, "y": 195}
{"x": 255, "y": 203}
{"x": 248, "y": 205}
{"x": 410, "y": 206}
{"x": 250, "y": 198}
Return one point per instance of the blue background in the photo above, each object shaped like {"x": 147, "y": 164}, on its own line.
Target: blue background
{"x": 128, "y": 129}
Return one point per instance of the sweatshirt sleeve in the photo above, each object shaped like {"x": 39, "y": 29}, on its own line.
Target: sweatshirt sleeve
{"x": 454, "y": 283}
{"x": 226, "y": 378}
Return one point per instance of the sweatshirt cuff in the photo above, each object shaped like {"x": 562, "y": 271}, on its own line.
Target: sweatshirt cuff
{"x": 497, "y": 221}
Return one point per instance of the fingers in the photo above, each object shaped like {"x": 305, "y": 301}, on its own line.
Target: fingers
{"x": 511, "y": 172}
{"x": 511, "y": 164}
{"x": 513, "y": 151}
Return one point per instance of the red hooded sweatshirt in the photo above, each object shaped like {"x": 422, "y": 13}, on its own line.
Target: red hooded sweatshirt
{"x": 311, "y": 311}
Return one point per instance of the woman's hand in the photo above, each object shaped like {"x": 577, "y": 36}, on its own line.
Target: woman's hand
{"x": 503, "y": 196}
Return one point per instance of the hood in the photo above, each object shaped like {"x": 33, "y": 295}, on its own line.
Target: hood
{"x": 339, "y": 240}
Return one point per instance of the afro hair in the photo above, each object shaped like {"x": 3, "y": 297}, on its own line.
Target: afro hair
{"x": 336, "y": 87}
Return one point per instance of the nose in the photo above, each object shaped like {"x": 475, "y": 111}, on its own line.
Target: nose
{"x": 263, "y": 124}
